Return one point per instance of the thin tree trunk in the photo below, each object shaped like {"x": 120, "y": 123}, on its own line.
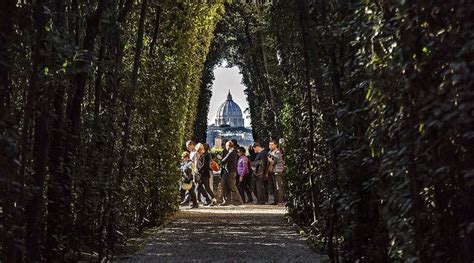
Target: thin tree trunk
{"x": 304, "y": 30}
{"x": 155, "y": 31}
{"x": 57, "y": 215}
{"x": 73, "y": 115}
{"x": 98, "y": 81}
{"x": 7, "y": 156}
{"x": 38, "y": 103}
{"x": 115, "y": 51}
{"x": 273, "y": 100}
{"x": 93, "y": 195}
{"x": 7, "y": 11}
{"x": 56, "y": 189}
{"x": 124, "y": 11}
{"x": 257, "y": 77}
{"x": 132, "y": 91}
{"x": 113, "y": 194}
{"x": 74, "y": 21}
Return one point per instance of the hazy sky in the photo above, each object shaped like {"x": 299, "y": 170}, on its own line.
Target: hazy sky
{"x": 227, "y": 79}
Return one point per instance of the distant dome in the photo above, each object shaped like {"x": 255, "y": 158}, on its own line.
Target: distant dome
{"x": 229, "y": 113}
{"x": 229, "y": 109}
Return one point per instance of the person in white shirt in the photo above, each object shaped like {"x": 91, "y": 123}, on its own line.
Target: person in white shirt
{"x": 193, "y": 153}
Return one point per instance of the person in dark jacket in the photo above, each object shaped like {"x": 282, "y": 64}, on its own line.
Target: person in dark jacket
{"x": 204, "y": 170}
{"x": 236, "y": 147}
{"x": 251, "y": 178}
{"x": 186, "y": 174}
{"x": 231, "y": 194}
{"x": 259, "y": 167}
{"x": 252, "y": 153}
{"x": 207, "y": 149}
{"x": 220, "y": 187}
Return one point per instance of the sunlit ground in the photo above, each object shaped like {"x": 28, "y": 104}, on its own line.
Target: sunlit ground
{"x": 241, "y": 209}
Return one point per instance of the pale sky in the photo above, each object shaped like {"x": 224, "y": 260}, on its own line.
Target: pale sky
{"x": 227, "y": 79}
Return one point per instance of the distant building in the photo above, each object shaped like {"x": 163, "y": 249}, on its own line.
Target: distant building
{"x": 229, "y": 124}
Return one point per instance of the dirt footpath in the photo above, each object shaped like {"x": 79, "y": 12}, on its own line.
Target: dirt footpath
{"x": 247, "y": 233}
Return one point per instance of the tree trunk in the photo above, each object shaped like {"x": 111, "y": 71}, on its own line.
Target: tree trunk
{"x": 7, "y": 11}
{"x": 155, "y": 31}
{"x": 8, "y": 156}
{"x": 35, "y": 204}
{"x": 273, "y": 100}
{"x": 113, "y": 80}
{"x": 132, "y": 91}
{"x": 58, "y": 216}
{"x": 114, "y": 193}
{"x": 73, "y": 116}
{"x": 304, "y": 17}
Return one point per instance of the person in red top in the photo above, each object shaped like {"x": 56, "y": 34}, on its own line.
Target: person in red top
{"x": 243, "y": 172}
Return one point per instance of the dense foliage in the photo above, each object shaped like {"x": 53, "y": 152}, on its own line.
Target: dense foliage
{"x": 374, "y": 100}
{"x": 213, "y": 59}
{"x": 96, "y": 98}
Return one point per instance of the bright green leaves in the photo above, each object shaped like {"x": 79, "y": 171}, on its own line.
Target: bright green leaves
{"x": 370, "y": 91}
{"x": 421, "y": 129}
{"x": 425, "y": 50}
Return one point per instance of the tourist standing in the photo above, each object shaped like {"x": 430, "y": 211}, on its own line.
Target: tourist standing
{"x": 187, "y": 177}
{"x": 204, "y": 172}
{"x": 259, "y": 166}
{"x": 252, "y": 180}
{"x": 230, "y": 164}
{"x": 236, "y": 147}
{"x": 275, "y": 160}
{"x": 243, "y": 174}
{"x": 194, "y": 157}
{"x": 193, "y": 154}
{"x": 207, "y": 149}
{"x": 222, "y": 189}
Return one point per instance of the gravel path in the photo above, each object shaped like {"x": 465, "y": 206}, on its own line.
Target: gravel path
{"x": 247, "y": 233}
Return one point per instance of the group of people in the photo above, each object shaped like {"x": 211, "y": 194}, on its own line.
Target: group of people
{"x": 244, "y": 178}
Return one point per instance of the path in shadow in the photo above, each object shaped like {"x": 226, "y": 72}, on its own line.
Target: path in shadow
{"x": 230, "y": 234}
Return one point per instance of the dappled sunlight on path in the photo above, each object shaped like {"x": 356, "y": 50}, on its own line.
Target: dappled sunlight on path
{"x": 241, "y": 209}
{"x": 230, "y": 234}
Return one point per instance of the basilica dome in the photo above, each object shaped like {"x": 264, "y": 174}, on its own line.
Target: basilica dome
{"x": 229, "y": 113}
